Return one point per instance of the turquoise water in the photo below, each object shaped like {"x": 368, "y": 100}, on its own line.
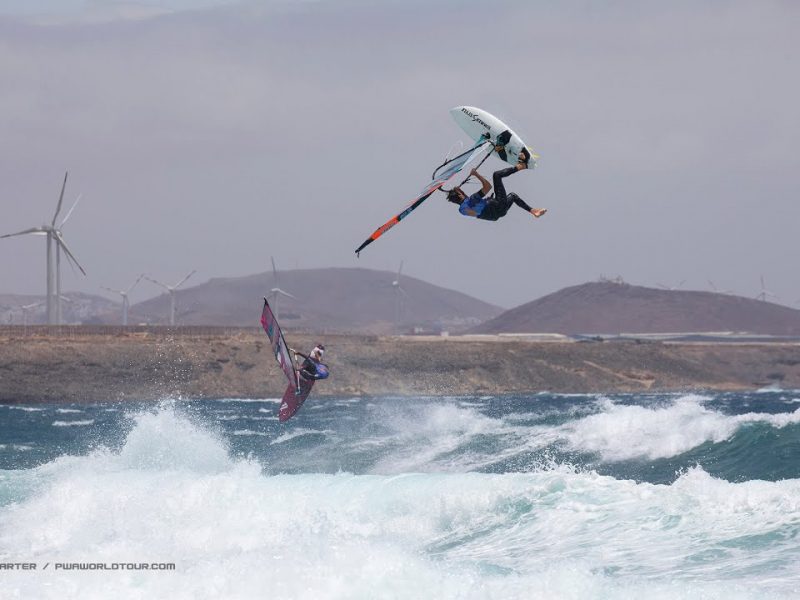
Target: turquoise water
{"x": 576, "y": 496}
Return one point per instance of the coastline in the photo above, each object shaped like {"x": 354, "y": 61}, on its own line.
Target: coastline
{"x": 151, "y": 365}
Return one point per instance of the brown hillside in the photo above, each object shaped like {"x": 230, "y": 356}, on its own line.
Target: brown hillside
{"x": 335, "y": 299}
{"x": 613, "y": 308}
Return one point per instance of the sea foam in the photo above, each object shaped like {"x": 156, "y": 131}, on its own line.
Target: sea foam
{"x": 174, "y": 493}
{"x": 623, "y": 432}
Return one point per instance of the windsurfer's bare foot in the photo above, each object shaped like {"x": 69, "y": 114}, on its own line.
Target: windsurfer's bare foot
{"x": 538, "y": 212}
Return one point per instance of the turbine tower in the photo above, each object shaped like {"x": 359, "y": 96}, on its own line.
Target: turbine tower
{"x": 53, "y": 234}
{"x": 125, "y": 301}
{"x": 276, "y": 291}
{"x": 765, "y": 293}
{"x": 399, "y": 295}
{"x": 171, "y": 291}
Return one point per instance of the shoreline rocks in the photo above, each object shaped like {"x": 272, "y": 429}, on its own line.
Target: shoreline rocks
{"x": 151, "y": 366}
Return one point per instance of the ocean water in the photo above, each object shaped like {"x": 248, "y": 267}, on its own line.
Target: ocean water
{"x": 536, "y": 496}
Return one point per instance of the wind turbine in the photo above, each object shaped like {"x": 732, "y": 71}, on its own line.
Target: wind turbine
{"x": 171, "y": 291}
{"x": 27, "y": 308}
{"x": 61, "y": 243}
{"x": 765, "y": 293}
{"x": 53, "y": 234}
{"x": 276, "y": 291}
{"x": 718, "y": 291}
{"x": 673, "y": 288}
{"x": 399, "y": 293}
{"x": 125, "y": 301}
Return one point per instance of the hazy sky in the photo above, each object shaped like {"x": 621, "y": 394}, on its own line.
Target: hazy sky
{"x": 211, "y": 135}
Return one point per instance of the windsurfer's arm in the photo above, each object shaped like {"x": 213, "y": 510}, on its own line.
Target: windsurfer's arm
{"x": 486, "y": 187}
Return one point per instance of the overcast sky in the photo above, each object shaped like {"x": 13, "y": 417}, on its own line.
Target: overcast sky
{"x": 211, "y": 135}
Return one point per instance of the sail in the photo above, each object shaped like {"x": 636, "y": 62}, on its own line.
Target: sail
{"x": 279, "y": 347}
{"x": 453, "y": 166}
{"x": 426, "y": 193}
{"x": 441, "y": 176}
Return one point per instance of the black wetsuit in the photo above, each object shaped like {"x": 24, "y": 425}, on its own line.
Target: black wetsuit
{"x": 498, "y": 204}
{"x": 308, "y": 370}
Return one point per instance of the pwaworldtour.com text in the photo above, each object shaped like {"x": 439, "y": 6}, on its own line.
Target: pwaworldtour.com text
{"x": 87, "y": 566}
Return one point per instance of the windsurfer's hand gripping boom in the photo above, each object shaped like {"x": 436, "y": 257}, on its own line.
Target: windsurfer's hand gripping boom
{"x": 312, "y": 366}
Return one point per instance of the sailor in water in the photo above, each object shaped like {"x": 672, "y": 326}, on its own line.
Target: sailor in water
{"x": 312, "y": 367}
{"x": 493, "y": 207}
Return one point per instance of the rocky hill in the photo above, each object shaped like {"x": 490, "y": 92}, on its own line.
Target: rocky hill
{"x": 613, "y": 308}
{"x": 333, "y": 300}
{"x": 76, "y": 307}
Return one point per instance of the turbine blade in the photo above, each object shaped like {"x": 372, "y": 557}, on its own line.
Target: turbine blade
{"x": 274, "y": 271}
{"x": 63, "y": 245}
{"x": 134, "y": 284}
{"x": 182, "y": 281}
{"x": 287, "y": 294}
{"x": 400, "y": 270}
{"x": 60, "y": 199}
{"x": 69, "y": 212}
{"x": 34, "y": 230}
{"x": 163, "y": 285}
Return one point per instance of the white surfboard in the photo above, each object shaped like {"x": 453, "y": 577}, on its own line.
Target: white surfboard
{"x": 476, "y": 123}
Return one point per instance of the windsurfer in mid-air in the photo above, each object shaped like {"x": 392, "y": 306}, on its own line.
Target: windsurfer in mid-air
{"x": 312, "y": 367}
{"x": 492, "y": 208}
